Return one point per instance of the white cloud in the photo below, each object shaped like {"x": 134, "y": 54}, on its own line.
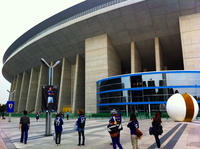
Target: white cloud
{"x": 18, "y": 16}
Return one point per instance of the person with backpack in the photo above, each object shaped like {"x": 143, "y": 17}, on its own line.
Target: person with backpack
{"x": 157, "y": 128}
{"x": 80, "y": 127}
{"x": 114, "y": 130}
{"x": 133, "y": 125}
{"x": 58, "y": 122}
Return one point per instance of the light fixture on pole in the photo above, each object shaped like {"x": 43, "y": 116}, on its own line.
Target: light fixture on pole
{"x": 48, "y": 113}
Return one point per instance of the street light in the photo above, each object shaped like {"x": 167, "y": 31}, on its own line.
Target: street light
{"x": 51, "y": 67}
{"x": 48, "y": 113}
{"x": 9, "y": 99}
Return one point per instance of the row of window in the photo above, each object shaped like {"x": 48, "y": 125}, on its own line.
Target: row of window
{"x": 153, "y": 80}
{"x": 140, "y": 91}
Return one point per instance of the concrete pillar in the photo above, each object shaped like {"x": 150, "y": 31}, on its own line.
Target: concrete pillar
{"x": 32, "y": 90}
{"x": 13, "y": 83}
{"x": 79, "y": 85}
{"x": 136, "y": 65}
{"x": 23, "y": 92}
{"x": 190, "y": 39}
{"x": 65, "y": 85}
{"x": 17, "y": 91}
{"x": 158, "y": 55}
{"x": 72, "y": 81}
{"x": 101, "y": 61}
{"x": 42, "y": 80}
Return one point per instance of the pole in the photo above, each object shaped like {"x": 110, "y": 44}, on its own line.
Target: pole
{"x": 48, "y": 113}
{"x": 127, "y": 104}
{"x": 149, "y": 106}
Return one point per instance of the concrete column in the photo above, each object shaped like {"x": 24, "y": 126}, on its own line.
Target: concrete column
{"x": 101, "y": 61}
{"x": 158, "y": 55}
{"x": 13, "y": 83}
{"x": 136, "y": 65}
{"x": 190, "y": 39}
{"x": 23, "y": 91}
{"x": 79, "y": 85}
{"x": 72, "y": 81}
{"x": 42, "y": 80}
{"x": 65, "y": 85}
{"x": 17, "y": 91}
{"x": 32, "y": 90}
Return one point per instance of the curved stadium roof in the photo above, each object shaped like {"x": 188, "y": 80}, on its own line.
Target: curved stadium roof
{"x": 65, "y": 14}
{"x": 124, "y": 21}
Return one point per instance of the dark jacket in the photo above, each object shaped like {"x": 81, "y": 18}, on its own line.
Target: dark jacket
{"x": 58, "y": 122}
{"x": 133, "y": 127}
{"x": 156, "y": 127}
{"x": 81, "y": 122}
{"x": 24, "y": 121}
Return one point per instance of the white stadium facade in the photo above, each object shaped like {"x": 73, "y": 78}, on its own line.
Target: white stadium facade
{"x": 113, "y": 53}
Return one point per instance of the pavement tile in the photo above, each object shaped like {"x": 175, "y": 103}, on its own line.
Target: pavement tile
{"x": 96, "y": 135}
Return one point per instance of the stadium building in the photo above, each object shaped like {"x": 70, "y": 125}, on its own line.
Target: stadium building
{"x": 114, "y": 54}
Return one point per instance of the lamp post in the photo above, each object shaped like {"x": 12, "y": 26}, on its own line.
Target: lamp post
{"x": 9, "y": 99}
{"x": 48, "y": 113}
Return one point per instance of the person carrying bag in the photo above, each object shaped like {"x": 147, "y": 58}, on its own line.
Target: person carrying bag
{"x": 113, "y": 129}
{"x": 136, "y": 134}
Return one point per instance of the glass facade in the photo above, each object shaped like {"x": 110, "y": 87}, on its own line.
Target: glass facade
{"x": 140, "y": 90}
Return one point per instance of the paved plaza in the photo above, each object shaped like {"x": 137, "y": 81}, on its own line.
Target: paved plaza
{"x": 176, "y": 135}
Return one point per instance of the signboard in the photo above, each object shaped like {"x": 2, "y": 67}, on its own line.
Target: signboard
{"x": 49, "y": 98}
{"x": 10, "y": 106}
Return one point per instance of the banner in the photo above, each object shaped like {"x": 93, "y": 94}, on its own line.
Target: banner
{"x": 49, "y": 98}
{"x": 10, "y": 106}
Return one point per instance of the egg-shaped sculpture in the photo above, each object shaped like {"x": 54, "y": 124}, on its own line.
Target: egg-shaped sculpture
{"x": 182, "y": 107}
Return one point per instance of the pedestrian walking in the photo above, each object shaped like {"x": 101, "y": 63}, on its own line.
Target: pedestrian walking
{"x": 24, "y": 125}
{"x": 80, "y": 127}
{"x": 37, "y": 116}
{"x": 67, "y": 115}
{"x": 133, "y": 125}
{"x": 114, "y": 130}
{"x": 157, "y": 128}
{"x": 58, "y": 122}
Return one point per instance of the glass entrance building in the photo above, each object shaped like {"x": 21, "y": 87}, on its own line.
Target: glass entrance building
{"x": 142, "y": 90}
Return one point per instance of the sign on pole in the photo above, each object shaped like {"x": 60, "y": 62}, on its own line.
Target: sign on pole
{"x": 10, "y": 106}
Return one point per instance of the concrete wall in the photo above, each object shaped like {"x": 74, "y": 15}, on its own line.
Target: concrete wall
{"x": 65, "y": 85}
{"x": 23, "y": 92}
{"x": 99, "y": 64}
{"x": 17, "y": 91}
{"x": 42, "y": 80}
{"x": 79, "y": 85}
{"x": 136, "y": 64}
{"x": 114, "y": 62}
{"x": 32, "y": 90}
{"x": 190, "y": 39}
